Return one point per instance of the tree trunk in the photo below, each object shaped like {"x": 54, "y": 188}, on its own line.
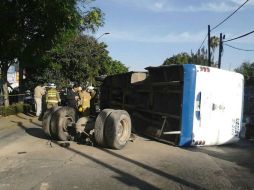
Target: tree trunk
{"x": 21, "y": 76}
{"x": 5, "y": 86}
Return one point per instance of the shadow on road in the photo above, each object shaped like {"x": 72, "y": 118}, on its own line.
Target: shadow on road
{"x": 25, "y": 115}
{"x": 154, "y": 170}
{"x": 124, "y": 177}
{"x": 37, "y": 132}
{"x": 33, "y": 131}
{"x": 31, "y": 121}
{"x": 241, "y": 153}
{"x": 28, "y": 118}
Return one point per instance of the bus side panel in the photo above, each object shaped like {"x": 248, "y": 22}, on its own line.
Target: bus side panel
{"x": 188, "y": 104}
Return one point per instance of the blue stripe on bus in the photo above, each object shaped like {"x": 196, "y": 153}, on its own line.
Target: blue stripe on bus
{"x": 189, "y": 85}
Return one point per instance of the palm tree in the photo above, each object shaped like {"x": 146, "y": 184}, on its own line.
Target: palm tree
{"x": 214, "y": 43}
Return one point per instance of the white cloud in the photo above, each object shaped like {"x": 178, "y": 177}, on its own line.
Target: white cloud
{"x": 158, "y": 5}
{"x": 183, "y": 37}
{"x": 216, "y": 7}
{"x": 211, "y": 6}
{"x": 239, "y": 2}
{"x": 172, "y": 37}
{"x": 187, "y": 6}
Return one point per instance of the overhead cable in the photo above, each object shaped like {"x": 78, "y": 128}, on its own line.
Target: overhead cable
{"x": 202, "y": 43}
{"x": 229, "y": 15}
{"x": 238, "y": 48}
{"x": 239, "y": 36}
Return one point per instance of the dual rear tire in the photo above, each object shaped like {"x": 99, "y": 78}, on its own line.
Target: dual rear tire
{"x": 112, "y": 128}
{"x": 58, "y": 122}
{"x": 46, "y": 120}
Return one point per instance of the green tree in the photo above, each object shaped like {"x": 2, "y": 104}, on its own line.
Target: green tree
{"x": 29, "y": 28}
{"x": 246, "y": 69}
{"x": 80, "y": 60}
{"x": 112, "y": 67}
{"x": 181, "y": 58}
{"x": 200, "y": 58}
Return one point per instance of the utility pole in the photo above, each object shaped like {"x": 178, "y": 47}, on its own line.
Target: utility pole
{"x": 220, "y": 50}
{"x": 209, "y": 48}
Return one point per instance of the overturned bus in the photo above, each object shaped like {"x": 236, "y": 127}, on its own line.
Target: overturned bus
{"x": 182, "y": 105}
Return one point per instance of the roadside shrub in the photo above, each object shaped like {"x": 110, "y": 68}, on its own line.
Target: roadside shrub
{"x": 15, "y": 109}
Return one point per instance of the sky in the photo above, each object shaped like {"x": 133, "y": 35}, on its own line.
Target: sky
{"x": 145, "y": 32}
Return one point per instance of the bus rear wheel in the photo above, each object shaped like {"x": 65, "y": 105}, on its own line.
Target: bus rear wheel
{"x": 62, "y": 123}
{"x": 46, "y": 120}
{"x": 99, "y": 127}
{"x": 118, "y": 129}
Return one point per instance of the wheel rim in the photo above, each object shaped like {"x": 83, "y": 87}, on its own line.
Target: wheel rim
{"x": 123, "y": 130}
{"x": 67, "y": 123}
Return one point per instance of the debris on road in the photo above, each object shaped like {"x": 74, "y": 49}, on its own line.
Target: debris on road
{"x": 64, "y": 144}
{"x": 24, "y": 152}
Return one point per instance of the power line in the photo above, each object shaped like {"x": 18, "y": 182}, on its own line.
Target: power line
{"x": 238, "y": 48}
{"x": 229, "y": 15}
{"x": 222, "y": 23}
{"x": 239, "y": 36}
{"x": 202, "y": 43}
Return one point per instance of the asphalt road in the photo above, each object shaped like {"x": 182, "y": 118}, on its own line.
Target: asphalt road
{"x": 29, "y": 160}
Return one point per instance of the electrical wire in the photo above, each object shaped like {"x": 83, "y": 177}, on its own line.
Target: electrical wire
{"x": 202, "y": 43}
{"x": 239, "y": 36}
{"x": 224, "y": 20}
{"x": 238, "y": 48}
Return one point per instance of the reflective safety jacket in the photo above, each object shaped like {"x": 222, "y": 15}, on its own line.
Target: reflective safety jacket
{"x": 85, "y": 99}
{"x": 52, "y": 96}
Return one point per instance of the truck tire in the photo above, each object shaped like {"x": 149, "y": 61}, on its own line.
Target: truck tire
{"x": 118, "y": 129}
{"x": 99, "y": 134}
{"x": 46, "y": 120}
{"x": 60, "y": 122}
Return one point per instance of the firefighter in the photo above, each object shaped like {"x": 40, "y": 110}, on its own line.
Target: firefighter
{"x": 85, "y": 97}
{"x": 52, "y": 96}
{"x": 73, "y": 96}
